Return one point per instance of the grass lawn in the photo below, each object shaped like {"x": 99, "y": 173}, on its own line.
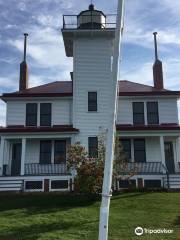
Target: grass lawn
{"x": 54, "y": 216}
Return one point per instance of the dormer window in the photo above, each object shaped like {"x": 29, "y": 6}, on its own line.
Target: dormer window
{"x": 45, "y": 114}
{"x": 31, "y": 114}
{"x": 152, "y": 113}
{"x": 92, "y": 101}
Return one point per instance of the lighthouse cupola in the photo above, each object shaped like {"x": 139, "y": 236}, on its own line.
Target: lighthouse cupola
{"x": 91, "y": 19}
{"x": 88, "y": 24}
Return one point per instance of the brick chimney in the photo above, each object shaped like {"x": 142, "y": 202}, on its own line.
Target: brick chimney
{"x": 157, "y": 68}
{"x": 23, "y": 79}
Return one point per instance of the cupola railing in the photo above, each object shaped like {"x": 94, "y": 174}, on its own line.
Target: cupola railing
{"x": 72, "y": 22}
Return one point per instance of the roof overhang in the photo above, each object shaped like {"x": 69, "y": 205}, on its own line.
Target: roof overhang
{"x": 8, "y": 96}
{"x": 155, "y": 93}
{"x": 22, "y": 129}
{"x": 153, "y": 130}
{"x": 70, "y": 34}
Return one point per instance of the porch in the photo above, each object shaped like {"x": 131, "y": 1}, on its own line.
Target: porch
{"x": 151, "y": 153}
{"x": 34, "y": 156}
{"x": 153, "y": 160}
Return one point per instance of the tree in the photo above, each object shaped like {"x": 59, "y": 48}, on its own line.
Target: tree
{"x": 121, "y": 171}
{"x": 89, "y": 178}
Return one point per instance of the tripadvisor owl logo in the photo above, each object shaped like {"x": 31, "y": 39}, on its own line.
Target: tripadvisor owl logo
{"x": 139, "y": 231}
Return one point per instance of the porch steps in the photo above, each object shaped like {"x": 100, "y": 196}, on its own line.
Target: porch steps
{"x": 174, "y": 182}
{"x": 11, "y": 185}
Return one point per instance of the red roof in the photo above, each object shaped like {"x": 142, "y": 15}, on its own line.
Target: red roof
{"x": 58, "y": 88}
{"x": 128, "y": 88}
{"x": 64, "y": 88}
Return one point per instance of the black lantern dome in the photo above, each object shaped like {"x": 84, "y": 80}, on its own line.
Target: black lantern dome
{"x": 91, "y": 19}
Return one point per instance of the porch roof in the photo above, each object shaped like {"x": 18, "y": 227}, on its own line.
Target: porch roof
{"x": 54, "y": 128}
{"x": 149, "y": 130}
{"x": 129, "y": 127}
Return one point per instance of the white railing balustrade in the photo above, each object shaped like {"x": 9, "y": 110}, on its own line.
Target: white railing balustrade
{"x": 48, "y": 169}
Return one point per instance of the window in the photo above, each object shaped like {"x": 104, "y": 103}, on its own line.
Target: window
{"x": 31, "y": 114}
{"x": 92, "y": 101}
{"x": 60, "y": 151}
{"x": 139, "y": 150}
{"x": 32, "y": 185}
{"x": 138, "y": 113}
{"x": 126, "y": 144}
{"x": 59, "y": 184}
{"x": 93, "y": 147}
{"x": 45, "y": 114}
{"x": 152, "y": 113}
{"x": 45, "y": 152}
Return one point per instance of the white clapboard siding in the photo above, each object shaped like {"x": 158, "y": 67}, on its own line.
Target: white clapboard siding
{"x": 16, "y": 111}
{"x": 125, "y": 113}
{"x": 168, "y": 111}
{"x": 61, "y": 111}
{"x": 153, "y": 153}
{"x": 92, "y": 72}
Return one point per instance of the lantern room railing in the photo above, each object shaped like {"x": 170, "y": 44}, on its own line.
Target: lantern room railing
{"x": 71, "y": 22}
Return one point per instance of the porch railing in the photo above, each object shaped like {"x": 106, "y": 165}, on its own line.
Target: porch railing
{"x": 144, "y": 167}
{"x": 48, "y": 169}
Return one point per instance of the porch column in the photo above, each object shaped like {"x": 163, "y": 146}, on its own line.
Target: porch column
{"x": 162, "y": 152}
{"x": 2, "y": 155}
{"x": 177, "y": 159}
{"x": 23, "y": 155}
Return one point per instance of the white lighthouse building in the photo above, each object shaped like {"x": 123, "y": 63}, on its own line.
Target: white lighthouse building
{"x": 90, "y": 45}
{"x": 41, "y": 122}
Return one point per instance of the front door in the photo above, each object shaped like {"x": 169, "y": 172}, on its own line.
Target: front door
{"x": 169, "y": 157}
{"x": 16, "y": 159}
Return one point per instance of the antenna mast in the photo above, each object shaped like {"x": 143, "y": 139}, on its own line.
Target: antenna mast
{"x": 109, "y": 156}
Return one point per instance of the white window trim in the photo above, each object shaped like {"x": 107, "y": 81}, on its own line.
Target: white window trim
{"x": 59, "y": 189}
{"x": 34, "y": 190}
{"x": 155, "y": 100}
{"x": 98, "y": 100}
{"x": 145, "y": 109}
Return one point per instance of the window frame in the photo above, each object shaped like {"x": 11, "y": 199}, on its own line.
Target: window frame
{"x": 138, "y": 113}
{"x": 41, "y": 160}
{"x": 95, "y": 102}
{"x": 155, "y": 113}
{"x": 35, "y": 115}
{"x": 127, "y": 153}
{"x": 56, "y": 152}
{"x": 140, "y": 150}
{"x": 93, "y": 150}
{"x": 45, "y": 115}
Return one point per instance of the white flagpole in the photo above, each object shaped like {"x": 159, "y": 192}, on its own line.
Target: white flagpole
{"x": 109, "y": 156}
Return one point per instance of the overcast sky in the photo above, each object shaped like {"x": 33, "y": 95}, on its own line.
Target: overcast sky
{"x": 42, "y": 19}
